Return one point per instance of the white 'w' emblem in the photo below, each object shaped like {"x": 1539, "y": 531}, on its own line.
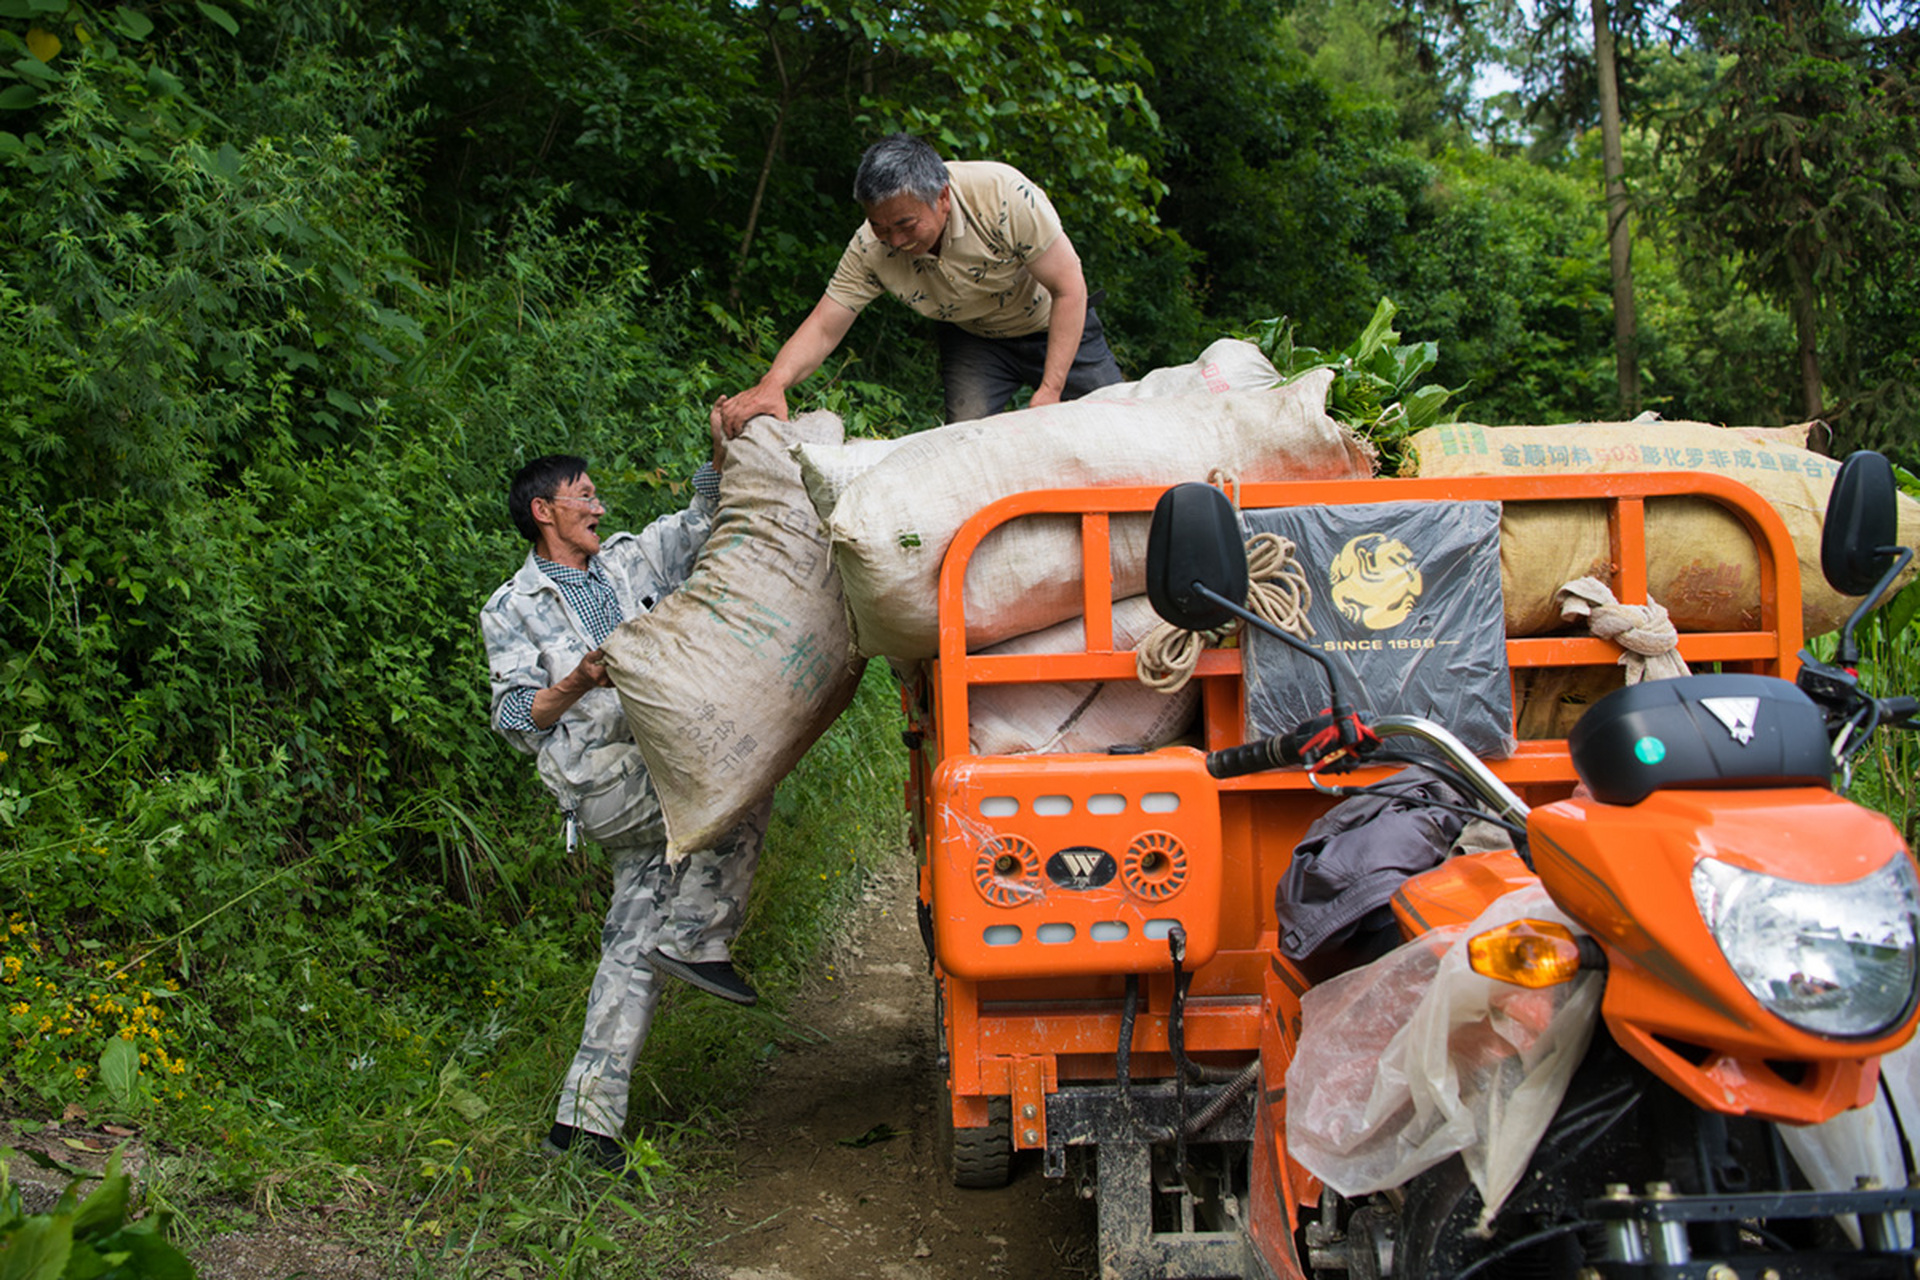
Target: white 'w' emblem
{"x": 1080, "y": 864}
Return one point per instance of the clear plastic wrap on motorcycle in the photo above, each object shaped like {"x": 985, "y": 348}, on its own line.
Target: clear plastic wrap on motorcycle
{"x": 1414, "y": 1058}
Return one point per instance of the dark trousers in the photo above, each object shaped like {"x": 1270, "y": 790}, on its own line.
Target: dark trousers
{"x": 981, "y": 374}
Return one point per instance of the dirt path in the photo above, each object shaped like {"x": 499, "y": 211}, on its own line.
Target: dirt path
{"x": 822, "y": 1195}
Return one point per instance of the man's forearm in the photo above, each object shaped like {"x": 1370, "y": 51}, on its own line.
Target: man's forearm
{"x": 799, "y": 356}
{"x": 1058, "y": 271}
{"x": 1064, "y": 329}
{"x": 803, "y": 353}
{"x": 553, "y": 702}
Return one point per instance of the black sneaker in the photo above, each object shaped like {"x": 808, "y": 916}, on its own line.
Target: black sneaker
{"x": 716, "y": 977}
{"x": 597, "y": 1149}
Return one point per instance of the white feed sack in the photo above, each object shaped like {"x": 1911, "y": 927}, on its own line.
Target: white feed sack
{"x": 732, "y": 677}
{"x": 827, "y": 469}
{"x": 1017, "y": 719}
{"x": 1700, "y": 560}
{"x": 1229, "y": 364}
{"x": 893, "y": 523}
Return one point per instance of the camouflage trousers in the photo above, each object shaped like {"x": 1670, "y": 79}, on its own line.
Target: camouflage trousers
{"x": 691, "y": 909}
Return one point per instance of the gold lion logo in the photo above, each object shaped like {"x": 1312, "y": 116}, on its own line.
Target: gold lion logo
{"x": 1376, "y": 581}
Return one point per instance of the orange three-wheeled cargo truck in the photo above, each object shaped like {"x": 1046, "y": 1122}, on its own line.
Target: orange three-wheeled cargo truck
{"x": 1112, "y": 996}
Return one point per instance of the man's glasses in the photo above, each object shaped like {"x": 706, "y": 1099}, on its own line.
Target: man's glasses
{"x": 585, "y": 504}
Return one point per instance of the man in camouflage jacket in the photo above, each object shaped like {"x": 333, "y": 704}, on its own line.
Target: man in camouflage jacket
{"x": 551, "y": 698}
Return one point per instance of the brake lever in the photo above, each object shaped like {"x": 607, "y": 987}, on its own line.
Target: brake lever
{"x": 1330, "y": 741}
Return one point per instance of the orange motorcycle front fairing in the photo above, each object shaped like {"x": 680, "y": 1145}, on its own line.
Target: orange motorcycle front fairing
{"x": 1458, "y": 890}
{"x": 1672, "y": 999}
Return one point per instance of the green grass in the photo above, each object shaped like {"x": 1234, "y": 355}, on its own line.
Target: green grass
{"x": 419, "y": 1106}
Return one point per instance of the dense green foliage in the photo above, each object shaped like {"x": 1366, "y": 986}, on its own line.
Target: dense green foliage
{"x": 287, "y": 291}
{"x": 1798, "y": 165}
{"x": 271, "y": 883}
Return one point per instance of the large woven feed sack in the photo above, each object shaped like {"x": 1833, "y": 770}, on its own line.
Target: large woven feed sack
{"x": 1024, "y": 578}
{"x": 732, "y": 677}
{"x": 893, "y": 524}
{"x": 1229, "y": 364}
{"x": 1016, "y": 719}
{"x": 1700, "y": 560}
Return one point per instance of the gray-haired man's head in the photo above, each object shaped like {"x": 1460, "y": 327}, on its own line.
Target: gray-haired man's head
{"x": 899, "y": 164}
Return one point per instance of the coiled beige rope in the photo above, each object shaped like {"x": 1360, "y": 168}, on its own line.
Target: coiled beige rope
{"x": 1277, "y": 592}
{"x": 1167, "y": 655}
{"x": 1645, "y": 633}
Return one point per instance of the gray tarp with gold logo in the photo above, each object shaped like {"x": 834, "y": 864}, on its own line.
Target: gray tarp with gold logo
{"x": 1406, "y": 604}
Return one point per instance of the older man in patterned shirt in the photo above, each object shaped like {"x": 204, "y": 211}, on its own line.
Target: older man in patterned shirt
{"x": 975, "y": 246}
{"x": 552, "y": 699}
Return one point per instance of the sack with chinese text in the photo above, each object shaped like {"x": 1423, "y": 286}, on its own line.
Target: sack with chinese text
{"x": 732, "y": 677}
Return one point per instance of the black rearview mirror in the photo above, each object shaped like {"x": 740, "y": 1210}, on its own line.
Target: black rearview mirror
{"x": 1195, "y": 538}
{"x": 1861, "y": 524}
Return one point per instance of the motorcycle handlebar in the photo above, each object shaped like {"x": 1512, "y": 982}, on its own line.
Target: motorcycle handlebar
{"x": 1249, "y": 757}
{"x": 1275, "y": 752}
{"x": 1898, "y": 713}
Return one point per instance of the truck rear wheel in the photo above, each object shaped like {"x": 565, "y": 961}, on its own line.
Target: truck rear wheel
{"x": 978, "y": 1159}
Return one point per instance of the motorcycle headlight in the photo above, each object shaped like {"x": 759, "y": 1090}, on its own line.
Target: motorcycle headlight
{"x": 1833, "y": 959}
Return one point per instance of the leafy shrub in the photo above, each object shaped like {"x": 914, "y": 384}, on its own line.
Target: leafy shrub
{"x": 85, "y": 1239}
{"x": 260, "y": 460}
{"x": 73, "y": 1022}
{"x": 261, "y": 466}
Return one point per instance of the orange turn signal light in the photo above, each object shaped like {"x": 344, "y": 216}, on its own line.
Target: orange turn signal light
{"x": 1527, "y": 953}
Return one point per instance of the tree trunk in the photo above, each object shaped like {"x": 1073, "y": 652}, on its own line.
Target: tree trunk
{"x": 1806, "y": 331}
{"x": 1626, "y": 354}
{"x": 766, "y": 170}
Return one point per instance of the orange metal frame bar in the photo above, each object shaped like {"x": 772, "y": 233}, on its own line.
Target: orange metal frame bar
{"x": 1772, "y": 648}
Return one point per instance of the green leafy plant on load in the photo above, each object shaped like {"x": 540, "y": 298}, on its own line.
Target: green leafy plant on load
{"x": 1377, "y": 388}
{"x": 84, "y": 1239}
